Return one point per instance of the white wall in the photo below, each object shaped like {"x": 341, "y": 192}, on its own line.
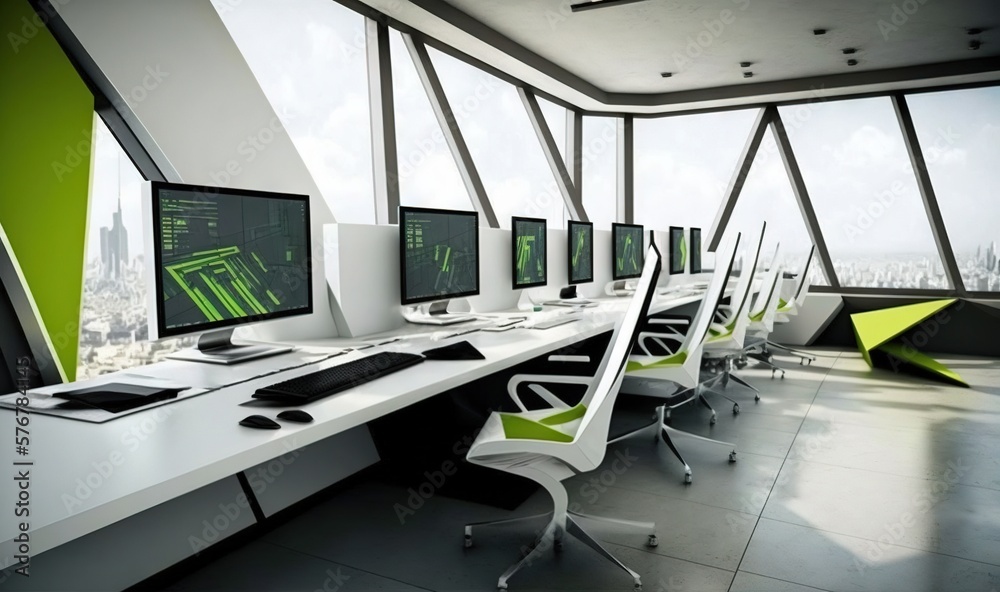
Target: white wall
{"x": 183, "y": 76}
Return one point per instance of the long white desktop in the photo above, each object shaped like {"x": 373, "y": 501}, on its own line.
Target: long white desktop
{"x": 128, "y": 498}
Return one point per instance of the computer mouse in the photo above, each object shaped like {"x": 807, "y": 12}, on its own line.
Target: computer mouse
{"x": 260, "y": 422}
{"x": 295, "y": 415}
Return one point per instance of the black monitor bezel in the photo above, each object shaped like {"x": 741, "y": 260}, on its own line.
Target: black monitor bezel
{"x": 692, "y": 250}
{"x": 615, "y": 226}
{"x": 569, "y": 252}
{"x": 161, "y": 329}
{"x": 402, "y": 255}
{"x": 513, "y": 252}
{"x": 679, "y": 231}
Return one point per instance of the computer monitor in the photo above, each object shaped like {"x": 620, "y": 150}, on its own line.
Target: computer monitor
{"x": 529, "y": 241}
{"x": 678, "y": 250}
{"x": 626, "y": 240}
{"x": 695, "y": 249}
{"x": 581, "y": 252}
{"x": 226, "y": 257}
{"x": 438, "y": 254}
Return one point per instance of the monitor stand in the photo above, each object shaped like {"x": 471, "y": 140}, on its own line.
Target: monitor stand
{"x": 435, "y": 313}
{"x": 216, "y": 347}
{"x": 620, "y": 288}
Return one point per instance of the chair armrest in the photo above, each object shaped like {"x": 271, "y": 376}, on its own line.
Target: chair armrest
{"x": 541, "y": 391}
{"x": 565, "y": 358}
{"x": 678, "y": 321}
{"x": 658, "y": 339}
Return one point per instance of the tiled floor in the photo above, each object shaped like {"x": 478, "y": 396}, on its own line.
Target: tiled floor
{"x": 846, "y": 479}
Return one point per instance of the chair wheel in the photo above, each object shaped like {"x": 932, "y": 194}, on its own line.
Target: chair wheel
{"x": 736, "y": 408}
{"x": 713, "y": 420}
{"x": 653, "y": 542}
{"x": 687, "y": 478}
{"x": 782, "y": 376}
{"x": 557, "y": 545}
{"x": 732, "y": 456}
{"x": 756, "y": 398}
{"x": 468, "y": 541}
{"x": 638, "y": 585}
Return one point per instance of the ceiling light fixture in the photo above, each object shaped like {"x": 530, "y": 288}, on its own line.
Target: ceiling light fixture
{"x": 748, "y": 75}
{"x": 600, "y": 4}
{"x": 852, "y": 62}
{"x": 666, "y": 74}
{"x": 849, "y": 50}
{"x": 745, "y": 64}
{"x": 975, "y": 44}
{"x": 973, "y": 31}
{"x": 819, "y": 31}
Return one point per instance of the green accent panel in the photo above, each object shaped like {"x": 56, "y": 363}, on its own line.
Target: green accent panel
{"x": 674, "y": 360}
{"x": 874, "y": 328}
{"x": 516, "y": 427}
{"x": 47, "y": 118}
{"x": 684, "y": 252}
{"x": 567, "y": 416}
{"x": 908, "y": 354}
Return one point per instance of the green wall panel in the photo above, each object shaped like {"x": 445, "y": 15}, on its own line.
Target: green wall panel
{"x": 47, "y": 116}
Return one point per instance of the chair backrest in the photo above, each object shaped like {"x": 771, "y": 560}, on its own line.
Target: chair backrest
{"x": 770, "y": 285}
{"x": 741, "y": 299}
{"x": 592, "y": 436}
{"x": 725, "y": 258}
{"x": 804, "y": 279}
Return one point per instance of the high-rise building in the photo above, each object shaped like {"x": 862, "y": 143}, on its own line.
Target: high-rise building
{"x": 114, "y": 245}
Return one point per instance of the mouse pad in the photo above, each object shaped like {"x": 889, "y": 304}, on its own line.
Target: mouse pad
{"x": 116, "y": 397}
{"x": 463, "y": 350}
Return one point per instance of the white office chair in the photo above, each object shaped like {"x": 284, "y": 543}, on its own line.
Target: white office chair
{"x": 792, "y": 306}
{"x": 675, "y": 377}
{"x": 764, "y": 313}
{"x": 549, "y": 446}
{"x": 725, "y": 344}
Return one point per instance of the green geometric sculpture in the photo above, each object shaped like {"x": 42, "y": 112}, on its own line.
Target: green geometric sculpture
{"x": 875, "y": 330}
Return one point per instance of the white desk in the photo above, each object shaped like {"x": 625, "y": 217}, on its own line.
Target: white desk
{"x": 174, "y": 450}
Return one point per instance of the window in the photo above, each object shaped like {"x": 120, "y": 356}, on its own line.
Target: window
{"x": 767, "y": 196}
{"x": 309, "y": 58}
{"x": 113, "y": 315}
{"x": 502, "y": 142}
{"x": 858, "y": 174}
{"x": 959, "y": 133}
{"x": 600, "y": 170}
{"x": 683, "y": 165}
{"x": 428, "y": 175}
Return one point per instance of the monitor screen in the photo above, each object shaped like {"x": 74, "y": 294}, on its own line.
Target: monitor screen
{"x": 695, "y": 249}
{"x": 628, "y": 253}
{"x": 226, "y": 257}
{"x": 581, "y": 252}
{"x": 678, "y": 250}
{"x": 528, "y": 251}
{"x": 438, "y": 254}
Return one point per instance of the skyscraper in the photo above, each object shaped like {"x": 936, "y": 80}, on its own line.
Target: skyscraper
{"x": 114, "y": 245}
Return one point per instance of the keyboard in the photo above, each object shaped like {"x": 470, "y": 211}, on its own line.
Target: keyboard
{"x": 554, "y": 322}
{"x": 323, "y": 383}
{"x": 444, "y": 319}
{"x": 571, "y": 302}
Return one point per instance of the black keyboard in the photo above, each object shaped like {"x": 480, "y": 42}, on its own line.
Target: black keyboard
{"x": 324, "y": 383}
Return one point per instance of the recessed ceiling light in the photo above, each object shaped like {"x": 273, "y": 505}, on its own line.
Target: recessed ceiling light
{"x": 600, "y": 4}
{"x": 666, "y": 74}
{"x": 973, "y": 31}
{"x": 975, "y": 44}
{"x": 748, "y": 75}
{"x": 745, "y": 64}
{"x": 849, "y": 50}
{"x": 819, "y": 31}
{"x": 852, "y": 62}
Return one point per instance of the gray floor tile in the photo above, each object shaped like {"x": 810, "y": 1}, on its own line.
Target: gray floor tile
{"x": 910, "y": 452}
{"x": 936, "y": 515}
{"x": 261, "y": 566}
{"x": 836, "y": 562}
{"x": 748, "y": 582}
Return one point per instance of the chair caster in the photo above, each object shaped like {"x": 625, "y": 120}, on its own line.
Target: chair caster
{"x": 652, "y": 542}
{"x": 638, "y": 584}
{"x": 756, "y": 398}
{"x": 468, "y": 540}
{"x": 732, "y": 456}
{"x": 736, "y": 408}
{"x": 501, "y": 587}
{"x": 713, "y": 420}
{"x": 557, "y": 545}
{"x": 687, "y": 478}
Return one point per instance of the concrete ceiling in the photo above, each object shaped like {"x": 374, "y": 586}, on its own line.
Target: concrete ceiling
{"x": 611, "y": 58}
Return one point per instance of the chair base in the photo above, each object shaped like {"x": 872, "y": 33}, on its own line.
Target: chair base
{"x": 803, "y": 357}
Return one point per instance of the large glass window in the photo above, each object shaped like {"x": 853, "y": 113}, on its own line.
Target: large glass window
{"x": 428, "y": 175}
{"x": 309, "y": 58}
{"x": 502, "y": 142}
{"x": 600, "y": 170}
{"x": 113, "y": 316}
{"x": 855, "y": 165}
{"x": 683, "y": 165}
{"x": 959, "y": 132}
{"x": 767, "y": 196}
